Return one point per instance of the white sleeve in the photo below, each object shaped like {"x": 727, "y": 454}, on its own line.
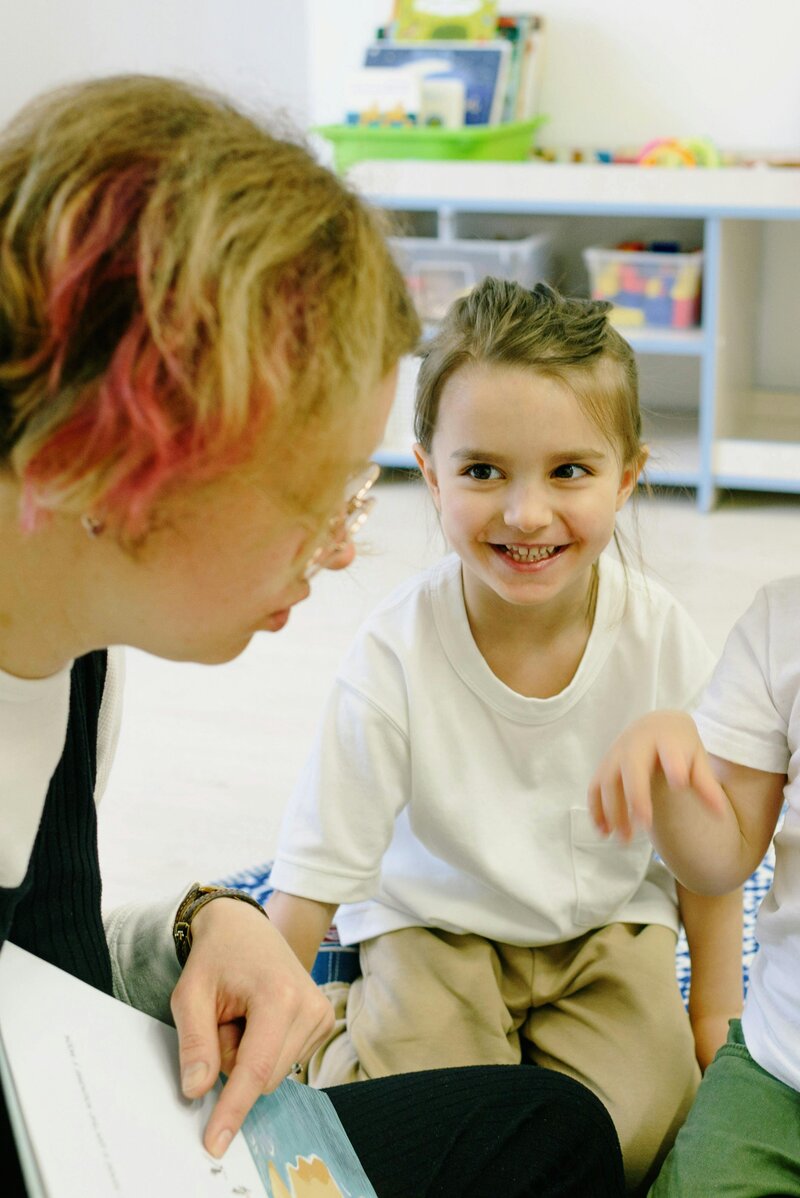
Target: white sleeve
{"x": 341, "y": 817}
{"x": 740, "y": 718}
{"x": 685, "y": 661}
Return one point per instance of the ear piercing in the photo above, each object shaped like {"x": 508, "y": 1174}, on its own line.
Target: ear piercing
{"x": 92, "y": 526}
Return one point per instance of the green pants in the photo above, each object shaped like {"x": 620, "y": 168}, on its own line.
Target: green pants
{"x": 742, "y": 1136}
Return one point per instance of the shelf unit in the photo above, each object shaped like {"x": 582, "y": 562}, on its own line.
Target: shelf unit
{"x": 743, "y": 432}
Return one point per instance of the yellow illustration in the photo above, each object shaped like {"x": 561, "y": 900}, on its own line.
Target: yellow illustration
{"x": 309, "y": 1178}
{"x": 375, "y": 115}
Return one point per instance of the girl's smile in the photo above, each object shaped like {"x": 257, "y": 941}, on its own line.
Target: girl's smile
{"x": 529, "y": 557}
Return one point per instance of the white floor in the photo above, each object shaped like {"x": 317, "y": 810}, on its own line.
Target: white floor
{"x": 208, "y": 755}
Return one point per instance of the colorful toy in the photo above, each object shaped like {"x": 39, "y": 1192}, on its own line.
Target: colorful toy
{"x": 674, "y": 151}
{"x": 655, "y": 286}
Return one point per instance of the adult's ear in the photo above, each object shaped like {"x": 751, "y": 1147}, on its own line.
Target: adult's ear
{"x": 425, "y": 463}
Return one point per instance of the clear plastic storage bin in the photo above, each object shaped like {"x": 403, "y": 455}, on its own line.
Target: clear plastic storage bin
{"x": 438, "y": 272}
{"x": 648, "y": 289}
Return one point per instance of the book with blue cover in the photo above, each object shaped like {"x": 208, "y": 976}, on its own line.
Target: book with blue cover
{"x": 300, "y": 1148}
{"x": 481, "y": 66}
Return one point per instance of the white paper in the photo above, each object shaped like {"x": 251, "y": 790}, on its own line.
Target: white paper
{"x": 97, "y": 1086}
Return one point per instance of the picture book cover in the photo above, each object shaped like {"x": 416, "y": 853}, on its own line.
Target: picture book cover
{"x": 92, "y": 1093}
{"x": 482, "y": 68}
{"x": 425, "y": 20}
{"x": 301, "y": 1149}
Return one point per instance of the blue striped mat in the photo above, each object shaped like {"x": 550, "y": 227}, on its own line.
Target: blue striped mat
{"x": 339, "y": 963}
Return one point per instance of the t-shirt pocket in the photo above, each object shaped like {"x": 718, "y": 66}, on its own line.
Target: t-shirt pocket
{"x": 607, "y": 872}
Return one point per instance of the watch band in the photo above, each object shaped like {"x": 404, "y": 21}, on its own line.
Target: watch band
{"x": 195, "y": 899}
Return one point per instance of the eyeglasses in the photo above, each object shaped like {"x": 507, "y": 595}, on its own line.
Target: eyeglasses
{"x": 344, "y": 527}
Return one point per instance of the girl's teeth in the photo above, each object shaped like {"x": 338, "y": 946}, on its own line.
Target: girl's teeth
{"x": 530, "y": 553}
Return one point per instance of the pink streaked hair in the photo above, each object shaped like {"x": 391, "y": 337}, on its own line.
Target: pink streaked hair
{"x": 134, "y": 426}
{"x": 178, "y": 283}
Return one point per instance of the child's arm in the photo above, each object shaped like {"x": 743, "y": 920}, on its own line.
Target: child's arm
{"x": 713, "y": 925}
{"x": 302, "y": 922}
{"x": 711, "y": 820}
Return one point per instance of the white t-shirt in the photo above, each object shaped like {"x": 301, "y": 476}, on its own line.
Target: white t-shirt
{"x": 751, "y": 715}
{"x": 33, "y": 725}
{"x": 437, "y": 796}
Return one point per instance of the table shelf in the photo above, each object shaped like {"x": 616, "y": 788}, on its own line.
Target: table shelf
{"x": 722, "y": 441}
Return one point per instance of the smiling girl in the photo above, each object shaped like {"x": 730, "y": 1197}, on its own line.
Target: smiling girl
{"x": 444, "y": 805}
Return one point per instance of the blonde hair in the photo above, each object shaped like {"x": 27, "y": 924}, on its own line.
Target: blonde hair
{"x": 174, "y": 280}
{"x": 502, "y": 323}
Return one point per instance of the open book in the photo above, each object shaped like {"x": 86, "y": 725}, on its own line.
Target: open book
{"x": 91, "y": 1086}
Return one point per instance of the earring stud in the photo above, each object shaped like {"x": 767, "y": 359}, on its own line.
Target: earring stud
{"x": 91, "y": 525}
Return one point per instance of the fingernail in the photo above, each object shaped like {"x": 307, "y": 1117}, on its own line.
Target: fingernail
{"x": 221, "y": 1143}
{"x": 193, "y": 1077}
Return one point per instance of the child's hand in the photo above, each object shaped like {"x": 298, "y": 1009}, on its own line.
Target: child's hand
{"x": 661, "y": 747}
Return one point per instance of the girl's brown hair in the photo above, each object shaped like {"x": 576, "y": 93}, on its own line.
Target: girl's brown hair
{"x": 502, "y": 323}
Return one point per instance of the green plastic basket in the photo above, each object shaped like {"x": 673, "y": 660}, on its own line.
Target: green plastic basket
{"x": 511, "y": 142}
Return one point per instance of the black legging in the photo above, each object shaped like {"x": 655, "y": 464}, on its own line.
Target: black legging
{"x": 487, "y": 1131}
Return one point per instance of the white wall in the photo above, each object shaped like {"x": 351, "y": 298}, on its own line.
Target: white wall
{"x": 623, "y": 71}
{"x": 253, "y": 49}
{"x": 627, "y": 70}
{"x": 618, "y": 72}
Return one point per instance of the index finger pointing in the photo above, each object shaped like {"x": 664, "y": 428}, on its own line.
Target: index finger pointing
{"x": 256, "y": 1059}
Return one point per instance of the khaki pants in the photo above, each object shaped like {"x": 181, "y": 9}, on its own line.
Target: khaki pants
{"x": 604, "y": 1008}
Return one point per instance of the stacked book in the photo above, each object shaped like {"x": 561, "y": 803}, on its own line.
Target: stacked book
{"x": 450, "y": 66}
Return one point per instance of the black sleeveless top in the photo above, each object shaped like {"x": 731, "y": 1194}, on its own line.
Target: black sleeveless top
{"x": 55, "y": 912}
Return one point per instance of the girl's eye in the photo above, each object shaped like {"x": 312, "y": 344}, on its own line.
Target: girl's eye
{"x": 570, "y": 470}
{"x": 483, "y": 472}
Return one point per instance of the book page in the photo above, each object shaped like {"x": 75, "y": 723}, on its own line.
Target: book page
{"x": 96, "y": 1084}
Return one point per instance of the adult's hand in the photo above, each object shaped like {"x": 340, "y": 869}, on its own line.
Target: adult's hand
{"x": 244, "y": 1005}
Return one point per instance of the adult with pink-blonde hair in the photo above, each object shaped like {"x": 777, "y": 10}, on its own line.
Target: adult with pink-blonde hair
{"x": 199, "y": 332}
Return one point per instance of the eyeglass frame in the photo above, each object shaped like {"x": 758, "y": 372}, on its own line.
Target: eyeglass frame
{"x": 342, "y": 528}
